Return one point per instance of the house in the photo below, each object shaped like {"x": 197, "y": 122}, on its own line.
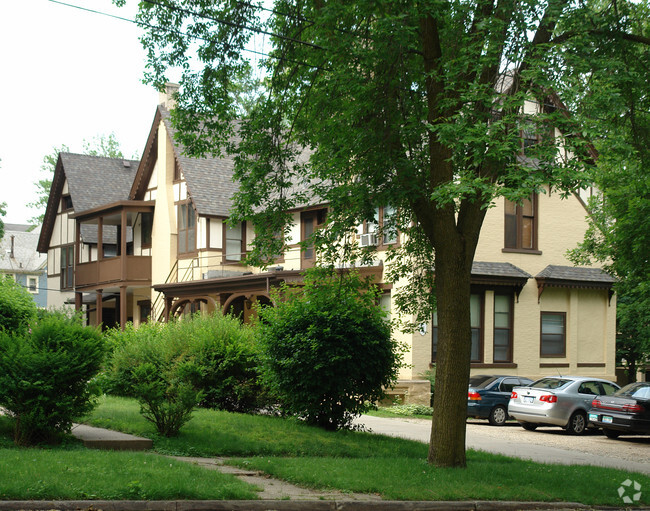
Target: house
{"x": 159, "y": 246}
{"x": 85, "y": 261}
{"x": 20, "y": 260}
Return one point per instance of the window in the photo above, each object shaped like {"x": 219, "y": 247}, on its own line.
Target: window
{"x": 502, "y": 328}
{"x": 553, "y": 337}
{"x": 146, "y": 228}
{"x": 310, "y": 221}
{"x": 66, "y": 203}
{"x": 32, "y": 284}
{"x": 476, "y": 320}
{"x": 186, "y": 228}
{"x": 235, "y": 241}
{"x": 521, "y": 224}
{"x": 380, "y": 220}
{"x": 145, "y": 310}
{"x": 67, "y": 267}
{"x": 390, "y": 232}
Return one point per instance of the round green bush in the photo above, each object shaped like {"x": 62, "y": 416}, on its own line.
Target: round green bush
{"x": 328, "y": 349}
{"x": 45, "y": 375}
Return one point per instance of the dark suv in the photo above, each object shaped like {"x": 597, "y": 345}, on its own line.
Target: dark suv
{"x": 488, "y": 395}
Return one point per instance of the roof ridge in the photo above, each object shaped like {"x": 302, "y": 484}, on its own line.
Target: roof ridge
{"x": 97, "y": 156}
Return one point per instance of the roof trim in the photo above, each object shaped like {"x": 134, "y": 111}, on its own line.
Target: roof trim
{"x": 51, "y": 211}
{"x": 129, "y": 205}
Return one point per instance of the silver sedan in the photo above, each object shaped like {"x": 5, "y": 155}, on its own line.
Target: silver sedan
{"x": 558, "y": 401}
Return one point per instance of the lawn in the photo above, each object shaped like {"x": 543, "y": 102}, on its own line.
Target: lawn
{"x": 71, "y": 472}
{"x": 366, "y": 463}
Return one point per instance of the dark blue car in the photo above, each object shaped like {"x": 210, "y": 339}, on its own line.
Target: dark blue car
{"x": 488, "y": 396}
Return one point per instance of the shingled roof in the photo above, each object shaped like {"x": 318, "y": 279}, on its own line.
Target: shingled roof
{"x": 93, "y": 181}
{"x": 24, "y": 258}
{"x": 575, "y": 274}
{"x": 209, "y": 180}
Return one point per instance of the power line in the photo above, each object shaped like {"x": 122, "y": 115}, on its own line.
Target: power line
{"x": 191, "y": 36}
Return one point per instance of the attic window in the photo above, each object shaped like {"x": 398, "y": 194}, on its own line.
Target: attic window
{"x": 66, "y": 203}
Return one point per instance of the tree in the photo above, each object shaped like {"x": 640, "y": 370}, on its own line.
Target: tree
{"x": 414, "y": 105}
{"x": 103, "y": 145}
{"x": 3, "y": 212}
{"x": 615, "y": 108}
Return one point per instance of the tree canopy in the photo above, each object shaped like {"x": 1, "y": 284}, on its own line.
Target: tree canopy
{"x": 419, "y": 106}
{"x": 613, "y": 104}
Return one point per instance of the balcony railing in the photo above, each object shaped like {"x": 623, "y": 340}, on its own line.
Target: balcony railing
{"x": 109, "y": 271}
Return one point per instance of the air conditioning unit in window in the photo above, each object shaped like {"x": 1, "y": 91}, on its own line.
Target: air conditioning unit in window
{"x": 368, "y": 240}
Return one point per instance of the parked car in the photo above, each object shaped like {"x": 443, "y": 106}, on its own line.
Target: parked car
{"x": 488, "y": 395}
{"x": 561, "y": 401}
{"x": 626, "y": 411}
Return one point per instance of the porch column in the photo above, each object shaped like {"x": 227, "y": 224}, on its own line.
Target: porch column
{"x": 123, "y": 245}
{"x": 100, "y": 238}
{"x": 78, "y": 301}
{"x": 77, "y": 243}
{"x": 168, "y": 307}
{"x": 123, "y": 314}
{"x": 99, "y": 304}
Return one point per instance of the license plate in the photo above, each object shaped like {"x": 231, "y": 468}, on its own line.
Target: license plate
{"x": 529, "y": 399}
{"x": 607, "y": 419}
{"x": 593, "y": 417}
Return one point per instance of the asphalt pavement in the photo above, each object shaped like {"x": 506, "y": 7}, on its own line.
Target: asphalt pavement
{"x": 419, "y": 429}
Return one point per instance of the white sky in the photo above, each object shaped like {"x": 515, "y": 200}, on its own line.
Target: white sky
{"x": 66, "y": 75}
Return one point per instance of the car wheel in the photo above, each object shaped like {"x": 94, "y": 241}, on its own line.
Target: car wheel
{"x": 611, "y": 433}
{"x": 577, "y": 423}
{"x": 528, "y": 426}
{"x": 498, "y": 416}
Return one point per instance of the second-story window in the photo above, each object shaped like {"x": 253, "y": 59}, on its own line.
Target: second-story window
{"x": 369, "y": 233}
{"x": 235, "y": 241}
{"x": 309, "y": 222}
{"x": 67, "y": 267}
{"x": 521, "y": 224}
{"x": 186, "y": 228}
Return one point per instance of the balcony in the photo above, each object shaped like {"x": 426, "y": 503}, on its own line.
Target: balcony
{"x": 113, "y": 271}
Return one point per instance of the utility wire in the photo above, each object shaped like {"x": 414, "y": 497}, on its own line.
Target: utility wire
{"x": 185, "y": 34}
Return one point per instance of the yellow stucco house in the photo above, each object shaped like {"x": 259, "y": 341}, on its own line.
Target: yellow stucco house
{"x": 138, "y": 241}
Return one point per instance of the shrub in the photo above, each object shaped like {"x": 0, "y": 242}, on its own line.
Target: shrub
{"x": 166, "y": 395}
{"x": 328, "y": 348}
{"x": 222, "y": 351}
{"x": 44, "y": 377}
{"x": 410, "y": 410}
{"x": 17, "y": 307}
{"x": 430, "y": 374}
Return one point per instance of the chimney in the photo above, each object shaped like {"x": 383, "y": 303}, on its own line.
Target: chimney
{"x": 166, "y": 98}
{"x": 11, "y": 253}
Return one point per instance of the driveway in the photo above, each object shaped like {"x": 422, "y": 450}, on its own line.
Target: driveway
{"x": 546, "y": 445}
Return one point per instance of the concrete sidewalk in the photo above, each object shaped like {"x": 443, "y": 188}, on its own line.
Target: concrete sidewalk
{"x": 100, "y": 438}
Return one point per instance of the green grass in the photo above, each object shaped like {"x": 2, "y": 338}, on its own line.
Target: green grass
{"x": 365, "y": 463}
{"x": 215, "y": 433}
{"x": 71, "y": 472}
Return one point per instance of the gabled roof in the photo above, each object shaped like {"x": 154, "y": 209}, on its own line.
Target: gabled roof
{"x": 25, "y": 257}
{"x": 209, "y": 180}
{"x": 93, "y": 181}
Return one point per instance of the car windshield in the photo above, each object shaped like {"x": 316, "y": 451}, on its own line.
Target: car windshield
{"x": 636, "y": 390}
{"x": 481, "y": 381}
{"x": 550, "y": 383}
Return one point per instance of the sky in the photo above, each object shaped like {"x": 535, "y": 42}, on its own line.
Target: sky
{"x": 66, "y": 76}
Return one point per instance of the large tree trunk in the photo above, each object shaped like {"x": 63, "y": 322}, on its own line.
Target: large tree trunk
{"x": 453, "y": 272}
